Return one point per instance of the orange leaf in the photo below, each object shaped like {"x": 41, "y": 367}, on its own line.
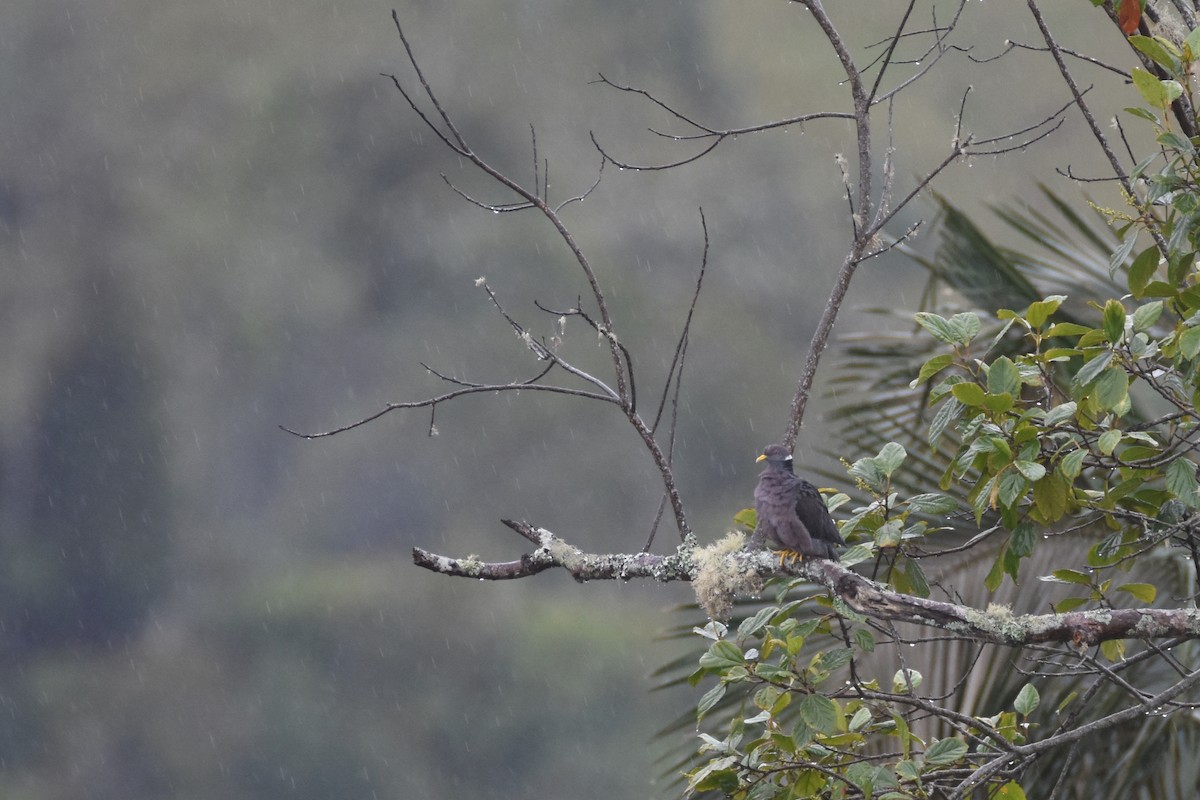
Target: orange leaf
{"x": 1129, "y": 15}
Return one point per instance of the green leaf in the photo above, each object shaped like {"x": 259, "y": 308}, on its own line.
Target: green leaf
{"x": 945, "y": 751}
{"x": 1146, "y": 592}
{"x": 1027, "y": 700}
{"x": 1092, "y": 369}
{"x": 890, "y": 458}
{"x": 1068, "y": 328}
{"x": 1141, "y": 112}
{"x": 722, "y": 655}
{"x": 1113, "y": 649}
{"x": 1030, "y": 469}
{"x": 1004, "y": 377}
{"x": 899, "y": 684}
{"x": 1114, "y": 320}
{"x": 1156, "y": 52}
{"x": 1023, "y": 538}
{"x": 948, "y": 412}
{"x": 1050, "y": 497}
{"x": 747, "y": 518}
{"x": 835, "y": 659}
{"x": 1072, "y": 463}
{"x": 916, "y": 577}
{"x": 932, "y": 503}
{"x": 1150, "y": 88}
{"x": 710, "y": 699}
{"x": 821, "y": 713}
{"x": 1012, "y": 486}
{"x": 1071, "y": 576}
{"x": 1108, "y": 441}
{"x": 1060, "y": 413}
{"x": 970, "y": 394}
{"x": 1037, "y": 313}
{"x": 1189, "y": 342}
{"x": 864, "y": 639}
{"x": 1122, "y": 252}
{"x": 1069, "y": 604}
{"x": 867, "y": 470}
{"x": 860, "y": 718}
{"x": 717, "y": 774}
{"x": 1009, "y": 791}
{"x": 966, "y": 325}
{"x": 998, "y": 403}
{"x": 889, "y": 533}
{"x": 1181, "y": 481}
{"x": 1142, "y": 270}
{"x": 752, "y": 625}
{"x": 995, "y": 575}
{"x": 1174, "y": 141}
{"x": 933, "y": 366}
{"x": 937, "y": 325}
{"x": 856, "y": 555}
{"x": 1112, "y": 388}
{"x": 1145, "y": 316}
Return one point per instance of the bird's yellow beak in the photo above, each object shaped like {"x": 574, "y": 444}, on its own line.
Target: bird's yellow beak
{"x": 763, "y": 457}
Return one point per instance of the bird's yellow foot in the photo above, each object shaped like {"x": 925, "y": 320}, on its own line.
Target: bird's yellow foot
{"x": 790, "y": 556}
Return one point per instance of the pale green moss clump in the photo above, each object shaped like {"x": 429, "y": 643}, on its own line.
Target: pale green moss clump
{"x": 719, "y": 576}
{"x": 472, "y": 565}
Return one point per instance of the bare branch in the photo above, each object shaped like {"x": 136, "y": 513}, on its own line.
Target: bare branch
{"x": 458, "y": 144}
{"x": 676, "y": 367}
{"x": 1011, "y": 45}
{"x": 1077, "y": 629}
{"x": 431, "y": 402}
{"x": 1057, "y": 52}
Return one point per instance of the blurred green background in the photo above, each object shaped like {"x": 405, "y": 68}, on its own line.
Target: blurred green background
{"x": 217, "y": 217}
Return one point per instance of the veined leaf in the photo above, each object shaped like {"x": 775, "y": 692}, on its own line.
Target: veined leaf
{"x": 1181, "y": 481}
{"x": 890, "y": 458}
{"x": 821, "y": 713}
{"x": 1072, "y": 463}
{"x": 1060, "y": 413}
{"x": 1145, "y": 316}
{"x": 1004, "y": 377}
{"x": 1109, "y": 440}
{"x": 1027, "y": 700}
{"x": 1112, "y": 388}
{"x": 937, "y": 325}
{"x": 1146, "y": 592}
{"x": 1092, "y": 369}
{"x": 932, "y": 367}
{"x": 1142, "y": 270}
{"x": 945, "y": 751}
{"x": 933, "y": 503}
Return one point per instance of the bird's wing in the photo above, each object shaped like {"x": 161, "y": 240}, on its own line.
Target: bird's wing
{"x": 811, "y": 509}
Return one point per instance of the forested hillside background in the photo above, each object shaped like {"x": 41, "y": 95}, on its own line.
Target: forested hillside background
{"x": 216, "y": 218}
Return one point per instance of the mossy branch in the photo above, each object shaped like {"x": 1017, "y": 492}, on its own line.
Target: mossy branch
{"x": 728, "y": 568}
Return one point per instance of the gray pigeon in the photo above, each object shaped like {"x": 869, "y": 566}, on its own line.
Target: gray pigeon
{"x": 791, "y": 513}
